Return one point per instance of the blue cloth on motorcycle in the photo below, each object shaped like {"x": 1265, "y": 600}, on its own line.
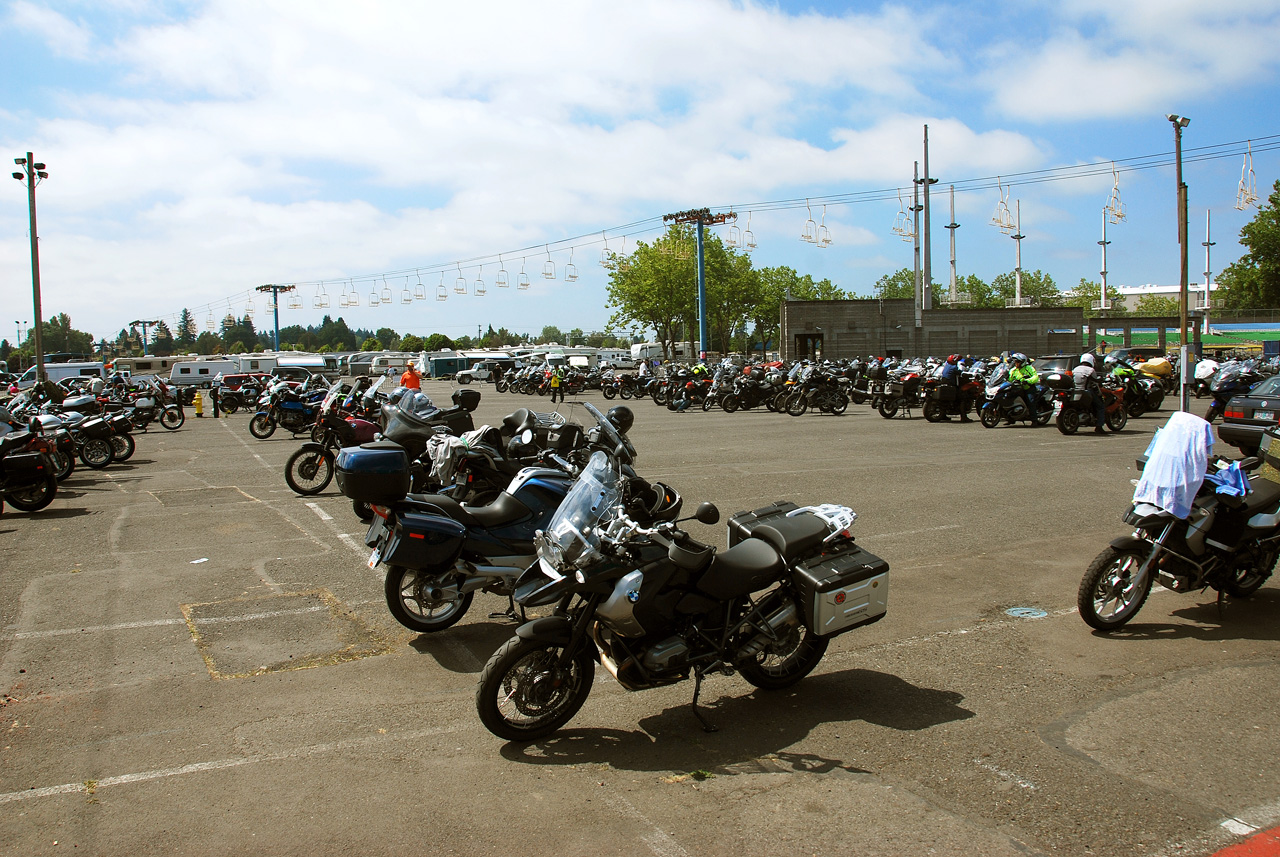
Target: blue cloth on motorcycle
{"x": 1230, "y": 481}
{"x": 1177, "y": 459}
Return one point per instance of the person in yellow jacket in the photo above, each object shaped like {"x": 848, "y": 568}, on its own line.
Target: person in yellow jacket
{"x": 557, "y": 384}
{"x": 1023, "y": 377}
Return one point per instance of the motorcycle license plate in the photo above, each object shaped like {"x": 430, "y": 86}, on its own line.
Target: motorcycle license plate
{"x": 375, "y": 557}
{"x": 1270, "y": 416}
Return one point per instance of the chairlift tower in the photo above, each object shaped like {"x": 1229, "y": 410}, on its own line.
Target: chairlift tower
{"x": 926, "y": 293}
{"x": 145, "y": 325}
{"x": 701, "y": 217}
{"x": 1103, "y": 305}
{"x": 1207, "y": 243}
{"x": 954, "y": 297}
{"x": 1017, "y": 236}
{"x": 916, "y": 208}
{"x": 275, "y": 290}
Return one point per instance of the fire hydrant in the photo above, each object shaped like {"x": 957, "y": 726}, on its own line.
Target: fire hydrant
{"x": 199, "y": 403}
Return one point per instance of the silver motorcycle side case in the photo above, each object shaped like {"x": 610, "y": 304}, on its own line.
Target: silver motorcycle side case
{"x": 842, "y": 588}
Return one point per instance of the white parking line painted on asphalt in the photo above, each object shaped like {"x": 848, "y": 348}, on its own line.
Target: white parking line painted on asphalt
{"x": 220, "y": 764}
{"x": 324, "y": 516}
{"x": 910, "y": 532}
{"x": 658, "y": 840}
{"x": 91, "y": 629}
{"x": 1238, "y": 827}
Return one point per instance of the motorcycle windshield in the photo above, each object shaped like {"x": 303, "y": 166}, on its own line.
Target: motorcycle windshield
{"x": 572, "y": 538}
{"x": 1226, "y": 377}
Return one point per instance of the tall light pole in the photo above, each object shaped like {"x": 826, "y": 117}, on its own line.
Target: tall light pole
{"x": 1208, "y": 271}
{"x": 1180, "y": 122}
{"x": 32, "y": 175}
{"x": 701, "y": 217}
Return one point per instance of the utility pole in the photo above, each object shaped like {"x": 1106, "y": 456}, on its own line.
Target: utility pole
{"x": 1017, "y": 237}
{"x": 32, "y": 175}
{"x": 1207, "y": 243}
{"x": 953, "y": 296}
{"x": 927, "y": 275}
{"x": 1179, "y": 123}
{"x": 915, "y": 222}
{"x": 275, "y": 306}
{"x": 145, "y": 325}
{"x": 701, "y": 217}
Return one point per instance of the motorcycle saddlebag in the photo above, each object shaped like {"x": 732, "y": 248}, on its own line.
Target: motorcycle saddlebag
{"x": 842, "y": 588}
{"x": 424, "y": 541}
{"x": 96, "y": 428}
{"x": 947, "y": 392}
{"x": 374, "y": 472}
{"x": 120, "y": 424}
{"x": 742, "y": 524}
{"x": 22, "y": 465}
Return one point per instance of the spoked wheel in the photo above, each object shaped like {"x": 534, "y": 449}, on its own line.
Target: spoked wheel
{"x": 1069, "y": 420}
{"x": 989, "y": 417}
{"x": 425, "y": 602}
{"x": 63, "y": 464}
{"x": 96, "y": 453}
{"x": 1245, "y": 581}
{"x": 729, "y": 403}
{"x": 262, "y": 426}
{"x": 123, "y": 446}
{"x": 708, "y": 403}
{"x": 1113, "y": 589}
{"x": 36, "y": 497}
{"x": 796, "y": 405}
{"x": 625, "y": 392}
{"x": 840, "y": 404}
{"x": 525, "y": 693}
{"x": 787, "y": 661}
{"x": 172, "y": 418}
{"x": 1117, "y": 419}
{"x": 1042, "y": 413}
{"x": 933, "y": 411}
{"x": 889, "y": 407}
{"x": 609, "y": 392}
{"x": 317, "y": 433}
{"x": 309, "y": 471}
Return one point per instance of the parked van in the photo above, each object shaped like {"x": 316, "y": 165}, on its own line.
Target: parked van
{"x": 200, "y": 373}
{"x": 56, "y": 372}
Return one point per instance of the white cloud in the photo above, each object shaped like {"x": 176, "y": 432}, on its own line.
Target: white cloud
{"x": 62, "y": 36}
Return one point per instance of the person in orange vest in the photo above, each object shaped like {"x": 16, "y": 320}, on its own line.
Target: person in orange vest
{"x": 411, "y": 379}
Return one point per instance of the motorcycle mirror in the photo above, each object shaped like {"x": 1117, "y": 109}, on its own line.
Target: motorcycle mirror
{"x": 707, "y": 513}
{"x": 526, "y": 436}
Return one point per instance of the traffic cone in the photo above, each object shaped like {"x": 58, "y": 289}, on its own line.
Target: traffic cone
{"x": 199, "y": 403}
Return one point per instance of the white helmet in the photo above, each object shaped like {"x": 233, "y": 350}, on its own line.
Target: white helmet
{"x": 1086, "y": 358}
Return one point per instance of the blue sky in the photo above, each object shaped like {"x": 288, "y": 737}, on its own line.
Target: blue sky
{"x": 198, "y": 149}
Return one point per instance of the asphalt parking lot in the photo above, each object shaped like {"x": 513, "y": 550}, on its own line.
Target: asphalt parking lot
{"x": 195, "y": 659}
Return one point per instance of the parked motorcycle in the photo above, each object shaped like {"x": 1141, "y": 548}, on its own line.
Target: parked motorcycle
{"x": 283, "y": 406}
{"x": 943, "y": 400}
{"x": 654, "y": 606}
{"x": 27, "y": 478}
{"x": 1229, "y": 544}
{"x": 1234, "y": 379}
{"x": 1075, "y": 409}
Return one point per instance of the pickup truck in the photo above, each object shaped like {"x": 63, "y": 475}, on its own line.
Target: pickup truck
{"x": 485, "y": 370}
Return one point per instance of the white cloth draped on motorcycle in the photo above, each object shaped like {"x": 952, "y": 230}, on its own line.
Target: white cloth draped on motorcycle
{"x": 1177, "y": 459}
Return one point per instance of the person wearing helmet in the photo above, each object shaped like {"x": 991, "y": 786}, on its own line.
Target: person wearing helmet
{"x": 1023, "y": 376}
{"x": 950, "y": 374}
{"x": 411, "y": 379}
{"x": 1084, "y": 377}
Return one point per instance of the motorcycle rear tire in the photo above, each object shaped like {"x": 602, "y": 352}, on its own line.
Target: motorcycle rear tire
{"x": 729, "y": 403}
{"x": 123, "y": 446}
{"x": 889, "y": 407}
{"x": 840, "y": 404}
{"x": 412, "y": 609}
{"x": 262, "y": 427}
{"x": 537, "y": 702}
{"x": 989, "y": 417}
{"x": 172, "y": 418}
{"x": 36, "y": 497}
{"x": 1117, "y": 419}
{"x": 933, "y": 411}
{"x": 500, "y": 386}
{"x": 1042, "y": 413}
{"x": 63, "y": 464}
{"x": 1245, "y": 582}
{"x": 363, "y": 510}
{"x": 785, "y": 662}
{"x": 1069, "y": 421}
{"x": 97, "y": 453}
{"x": 1110, "y": 576}
{"x": 229, "y": 406}
{"x": 1136, "y": 409}
{"x": 309, "y": 471}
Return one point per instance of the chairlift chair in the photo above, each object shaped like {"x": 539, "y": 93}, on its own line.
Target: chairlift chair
{"x": 406, "y": 296}
{"x": 810, "y": 233}
{"x": 570, "y": 270}
{"x": 460, "y": 284}
{"x": 606, "y": 258}
{"x": 501, "y": 279}
{"x": 479, "y": 289}
{"x": 353, "y": 297}
{"x": 1115, "y": 206}
{"x": 735, "y": 237}
{"x": 248, "y": 308}
{"x": 385, "y": 295}
{"x": 549, "y": 267}
{"x": 1247, "y": 194}
{"x": 824, "y": 234}
{"x": 749, "y": 237}
{"x": 419, "y": 291}
{"x": 295, "y": 300}
{"x": 522, "y": 279}
{"x": 321, "y": 299}
{"x": 442, "y": 294}
{"x": 374, "y": 299}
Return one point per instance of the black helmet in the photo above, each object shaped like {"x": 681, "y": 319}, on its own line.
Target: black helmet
{"x": 621, "y": 417}
{"x": 653, "y": 503}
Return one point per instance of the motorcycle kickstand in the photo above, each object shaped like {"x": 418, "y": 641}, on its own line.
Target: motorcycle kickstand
{"x": 707, "y": 726}
{"x": 510, "y": 612}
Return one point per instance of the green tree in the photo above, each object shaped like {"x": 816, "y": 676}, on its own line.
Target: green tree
{"x": 388, "y": 339}
{"x": 437, "y": 342}
{"x": 550, "y": 334}
{"x": 161, "y": 339}
{"x": 184, "y": 338}
{"x": 1156, "y": 305}
{"x": 411, "y": 343}
{"x": 1036, "y": 285}
{"x": 323, "y": 349}
{"x": 370, "y": 344}
{"x": 59, "y": 336}
{"x": 1253, "y": 280}
{"x": 656, "y": 286}
{"x": 901, "y": 284}
{"x": 209, "y": 343}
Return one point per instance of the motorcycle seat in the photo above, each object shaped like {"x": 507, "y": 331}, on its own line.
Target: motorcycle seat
{"x": 504, "y": 511}
{"x": 1263, "y": 494}
{"x": 749, "y": 565}
{"x": 794, "y": 536}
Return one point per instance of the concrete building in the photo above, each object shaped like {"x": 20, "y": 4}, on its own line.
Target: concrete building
{"x": 1128, "y": 296}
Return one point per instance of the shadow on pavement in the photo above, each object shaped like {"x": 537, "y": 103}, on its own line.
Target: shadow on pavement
{"x": 758, "y": 726}
{"x": 1252, "y": 618}
{"x": 466, "y": 648}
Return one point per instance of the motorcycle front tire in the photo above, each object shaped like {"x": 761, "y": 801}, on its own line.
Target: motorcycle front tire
{"x": 796, "y": 405}
{"x": 262, "y": 426}
{"x": 1117, "y": 419}
{"x": 1110, "y": 578}
{"x": 729, "y": 403}
{"x": 172, "y": 418}
{"x": 417, "y": 613}
{"x": 309, "y": 471}
{"x": 521, "y": 697}
{"x": 933, "y": 411}
{"x": 609, "y": 392}
{"x": 989, "y": 417}
{"x": 840, "y": 405}
{"x": 63, "y": 464}
{"x": 889, "y": 407}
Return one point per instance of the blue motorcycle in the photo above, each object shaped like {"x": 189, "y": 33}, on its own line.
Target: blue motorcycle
{"x": 1231, "y": 381}
{"x": 294, "y": 410}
